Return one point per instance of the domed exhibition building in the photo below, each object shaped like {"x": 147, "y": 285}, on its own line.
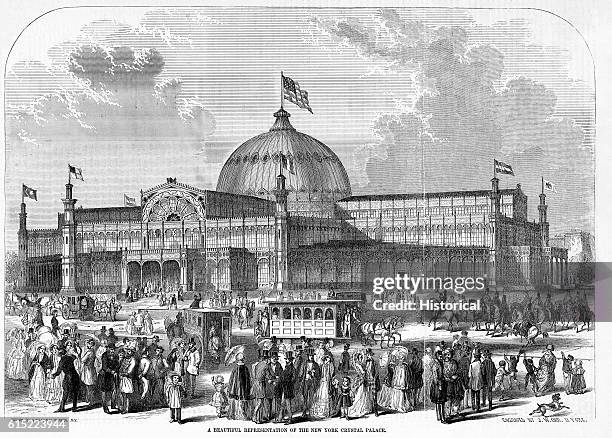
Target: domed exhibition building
{"x": 284, "y": 217}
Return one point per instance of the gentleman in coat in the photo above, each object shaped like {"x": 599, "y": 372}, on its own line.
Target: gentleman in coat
{"x": 71, "y": 382}
{"x": 371, "y": 379}
{"x": 107, "y": 377}
{"x": 475, "y": 382}
{"x": 287, "y": 381}
{"x": 273, "y": 374}
{"x": 193, "y": 367}
{"x": 488, "y": 371}
{"x": 54, "y": 323}
{"x": 258, "y": 391}
{"x": 89, "y": 375}
{"x": 310, "y": 376}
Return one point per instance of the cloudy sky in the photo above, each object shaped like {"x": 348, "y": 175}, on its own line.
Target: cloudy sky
{"x": 411, "y": 100}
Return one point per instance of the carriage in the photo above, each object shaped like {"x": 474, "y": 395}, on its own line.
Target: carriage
{"x": 314, "y": 319}
{"x": 78, "y": 306}
{"x": 199, "y": 323}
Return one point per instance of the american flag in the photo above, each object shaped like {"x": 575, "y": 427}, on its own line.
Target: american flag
{"x": 293, "y": 93}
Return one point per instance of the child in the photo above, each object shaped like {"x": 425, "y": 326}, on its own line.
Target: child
{"x": 530, "y": 369}
{"x": 578, "y": 384}
{"x": 501, "y": 380}
{"x": 512, "y": 370}
{"x": 345, "y": 397}
{"x": 174, "y": 396}
{"x": 219, "y": 399}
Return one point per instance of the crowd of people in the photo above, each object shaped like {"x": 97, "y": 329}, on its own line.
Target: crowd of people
{"x": 101, "y": 370}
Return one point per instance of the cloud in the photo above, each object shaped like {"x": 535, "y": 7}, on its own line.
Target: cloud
{"x": 461, "y": 118}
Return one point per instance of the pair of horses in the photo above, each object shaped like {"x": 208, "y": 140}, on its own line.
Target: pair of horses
{"x": 381, "y": 331}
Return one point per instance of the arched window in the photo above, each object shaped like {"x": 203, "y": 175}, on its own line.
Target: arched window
{"x": 297, "y": 313}
{"x": 286, "y": 313}
{"x": 318, "y": 313}
{"x": 329, "y": 314}
{"x": 307, "y": 313}
{"x": 275, "y": 313}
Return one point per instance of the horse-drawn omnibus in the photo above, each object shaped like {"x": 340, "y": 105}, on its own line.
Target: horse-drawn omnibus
{"x": 314, "y": 319}
{"x": 200, "y": 324}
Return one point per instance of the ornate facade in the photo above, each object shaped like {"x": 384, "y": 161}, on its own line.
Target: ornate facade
{"x": 283, "y": 217}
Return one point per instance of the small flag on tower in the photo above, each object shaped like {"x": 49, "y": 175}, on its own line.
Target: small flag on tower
{"x": 293, "y": 93}
{"x": 129, "y": 201}
{"x": 27, "y": 192}
{"x": 76, "y": 171}
{"x": 503, "y": 168}
{"x": 550, "y": 186}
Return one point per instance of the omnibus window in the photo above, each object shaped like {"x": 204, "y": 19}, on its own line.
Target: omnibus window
{"x": 297, "y": 313}
{"x": 329, "y": 314}
{"x": 275, "y": 313}
{"x": 307, "y": 313}
{"x": 286, "y": 313}
{"x": 318, "y": 313}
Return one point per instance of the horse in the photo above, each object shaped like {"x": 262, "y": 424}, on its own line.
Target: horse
{"x": 526, "y": 330}
{"x": 450, "y": 316}
{"x": 582, "y": 314}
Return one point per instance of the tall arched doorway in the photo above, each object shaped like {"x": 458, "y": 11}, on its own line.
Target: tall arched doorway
{"x": 171, "y": 273}
{"x": 151, "y": 273}
{"x": 133, "y": 269}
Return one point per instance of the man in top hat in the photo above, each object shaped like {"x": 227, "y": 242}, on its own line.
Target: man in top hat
{"x": 371, "y": 380}
{"x": 64, "y": 339}
{"x": 287, "y": 382}
{"x": 112, "y": 337}
{"x": 261, "y": 412}
{"x": 70, "y": 382}
{"x": 54, "y": 324}
{"x": 488, "y": 371}
{"x": 273, "y": 388}
{"x": 107, "y": 377}
{"x": 345, "y": 362}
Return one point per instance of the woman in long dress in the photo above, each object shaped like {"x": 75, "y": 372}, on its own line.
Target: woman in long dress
{"x": 16, "y": 359}
{"x": 148, "y": 324}
{"x": 38, "y": 374}
{"x": 362, "y": 404}
{"x": 545, "y": 377}
{"x": 54, "y": 384}
{"x": 384, "y": 396}
{"x": 428, "y": 375}
{"x": 398, "y": 401}
{"x": 322, "y": 406}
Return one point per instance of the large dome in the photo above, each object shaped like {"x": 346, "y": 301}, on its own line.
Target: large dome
{"x": 312, "y": 170}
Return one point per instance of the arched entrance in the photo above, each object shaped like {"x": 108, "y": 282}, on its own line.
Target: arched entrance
{"x": 151, "y": 273}
{"x": 133, "y": 269}
{"x": 171, "y": 274}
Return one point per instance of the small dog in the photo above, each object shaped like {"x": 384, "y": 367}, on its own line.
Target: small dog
{"x": 554, "y": 406}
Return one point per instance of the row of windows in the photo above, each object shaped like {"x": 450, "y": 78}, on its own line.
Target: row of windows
{"x": 316, "y": 313}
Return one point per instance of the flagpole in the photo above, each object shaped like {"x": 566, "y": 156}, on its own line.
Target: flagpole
{"x": 22, "y": 190}
{"x": 281, "y": 89}
{"x": 542, "y": 185}
{"x": 68, "y": 173}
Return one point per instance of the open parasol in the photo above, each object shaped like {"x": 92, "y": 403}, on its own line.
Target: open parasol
{"x": 174, "y": 343}
{"x": 47, "y": 339}
{"x": 399, "y": 351}
{"x": 232, "y": 354}
{"x": 265, "y": 344}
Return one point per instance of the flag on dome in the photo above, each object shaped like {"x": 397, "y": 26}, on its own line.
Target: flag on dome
{"x": 503, "y": 168}
{"x": 288, "y": 163}
{"x": 28, "y": 192}
{"x": 294, "y": 94}
{"x": 129, "y": 201}
{"x": 76, "y": 171}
